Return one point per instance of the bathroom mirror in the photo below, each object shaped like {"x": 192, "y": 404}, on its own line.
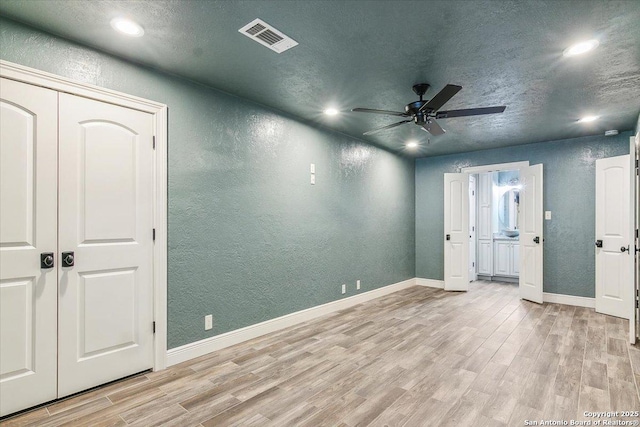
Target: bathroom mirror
{"x": 508, "y": 205}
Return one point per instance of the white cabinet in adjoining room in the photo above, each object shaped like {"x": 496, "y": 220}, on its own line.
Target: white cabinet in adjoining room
{"x": 485, "y": 258}
{"x": 484, "y": 206}
{"x": 515, "y": 258}
{"x": 506, "y": 258}
{"x": 484, "y": 234}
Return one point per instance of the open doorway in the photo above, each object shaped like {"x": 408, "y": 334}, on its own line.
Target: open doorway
{"x": 495, "y": 201}
{"x": 509, "y": 221}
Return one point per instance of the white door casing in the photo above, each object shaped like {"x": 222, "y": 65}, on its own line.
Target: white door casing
{"x": 472, "y": 229}
{"x": 456, "y": 229}
{"x": 531, "y": 233}
{"x": 28, "y": 219}
{"x": 106, "y": 219}
{"x": 634, "y": 323}
{"x": 614, "y": 262}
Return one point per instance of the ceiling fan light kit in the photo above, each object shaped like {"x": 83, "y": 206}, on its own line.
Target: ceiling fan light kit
{"x": 423, "y": 113}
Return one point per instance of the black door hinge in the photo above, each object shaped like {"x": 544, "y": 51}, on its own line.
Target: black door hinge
{"x": 154, "y": 327}
{"x": 154, "y": 234}
{"x": 154, "y": 142}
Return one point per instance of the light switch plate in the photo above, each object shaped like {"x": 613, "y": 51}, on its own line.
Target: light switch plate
{"x": 313, "y": 179}
{"x": 313, "y": 168}
{"x": 547, "y": 214}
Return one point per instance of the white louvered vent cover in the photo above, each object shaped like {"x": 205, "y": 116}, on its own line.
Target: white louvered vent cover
{"x": 268, "y": 36}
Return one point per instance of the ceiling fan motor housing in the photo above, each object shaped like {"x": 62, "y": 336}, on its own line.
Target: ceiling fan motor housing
{"x": 413, "y": 109}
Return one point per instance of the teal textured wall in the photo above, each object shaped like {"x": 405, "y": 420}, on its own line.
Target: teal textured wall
{"x": 249, "y": 238}
{"x": 569, "y": 192}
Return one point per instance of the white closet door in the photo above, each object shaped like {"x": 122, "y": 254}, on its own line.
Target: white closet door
{"x": 614, "y": 261}
{"x": 105, "y": 208}
{"x": 28, "y": 222}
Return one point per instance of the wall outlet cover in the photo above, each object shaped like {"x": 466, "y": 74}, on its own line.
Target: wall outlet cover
{"x": 358, "y": 284}
{"x": 344, "y": 289}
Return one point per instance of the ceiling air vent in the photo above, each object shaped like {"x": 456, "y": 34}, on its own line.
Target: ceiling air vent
{"x": 268, "y": 36}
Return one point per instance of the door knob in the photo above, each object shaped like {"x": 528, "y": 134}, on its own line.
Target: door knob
{"x": 536, "y": 239}
{"x": 67, "y": 259}
{"x": 624, "y": 249}
{"x": 448, "y": 237}
{"x": 46, "y": 260}
{"x": 598, "y": 243}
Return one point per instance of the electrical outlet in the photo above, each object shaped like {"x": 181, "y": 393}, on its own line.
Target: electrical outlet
{"x": 344, "y": 289}
{"x": 313, "y": 168}
{"x": 313, "y": 179}
{"x": 358, "y": 284}
{"x": 208, "y": 322}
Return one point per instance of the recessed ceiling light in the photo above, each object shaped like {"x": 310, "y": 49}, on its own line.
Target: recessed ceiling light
{"x": 588, "y": 119}
{"x": 127, "y": 26}
{"x": 580, "y": 48}
{"x": 412, "y": 144}
{"x": 331, "y": 112}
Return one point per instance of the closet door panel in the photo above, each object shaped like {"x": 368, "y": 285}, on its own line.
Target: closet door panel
{"x": 106, "y": 219}
{"x": 28, "y": 228}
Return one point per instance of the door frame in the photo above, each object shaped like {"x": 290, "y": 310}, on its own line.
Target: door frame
{"x": 473, "y": 244}
{"x": 634, "y": 199}
{"x": 473, "y": 170}
{"x": 159, "y": 112}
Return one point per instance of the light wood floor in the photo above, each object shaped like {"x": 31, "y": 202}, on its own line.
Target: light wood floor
{"x": 418, "y": 357}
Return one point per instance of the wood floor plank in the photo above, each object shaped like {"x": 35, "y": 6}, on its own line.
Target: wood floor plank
{"x": 417, "y": 357}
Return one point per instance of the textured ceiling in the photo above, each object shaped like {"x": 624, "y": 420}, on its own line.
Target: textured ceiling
{"x": 370, "y": 53}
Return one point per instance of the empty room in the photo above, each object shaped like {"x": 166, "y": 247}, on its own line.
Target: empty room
{"x": 319, "y": 213}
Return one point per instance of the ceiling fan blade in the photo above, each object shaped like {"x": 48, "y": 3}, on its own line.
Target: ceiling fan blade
{"x": 387, "y": 112}
{"x": 441, "y": 98}
{"x": 469, "y": 112}
{"x": 386, "y": 127}
{"x": 433, "y": 128}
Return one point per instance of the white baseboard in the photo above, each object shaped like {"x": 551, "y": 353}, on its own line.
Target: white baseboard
{"x": 432, "y": 283}
{"x": 207, "y": 345}
{"x": 569, "y": 300}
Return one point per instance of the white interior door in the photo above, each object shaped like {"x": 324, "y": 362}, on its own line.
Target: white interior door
{"x": 614, "y": 262}
{"x": 472, "y": 229}
{"x": 105, "y": 208}
{"x": 456, "y": 228}
{"x": 28, "y": 221}
{"x": 634, "y": 323}
{"x": 531, "y": 238}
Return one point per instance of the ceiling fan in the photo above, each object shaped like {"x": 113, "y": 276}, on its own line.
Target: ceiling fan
{"x": 423, "y": 113}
